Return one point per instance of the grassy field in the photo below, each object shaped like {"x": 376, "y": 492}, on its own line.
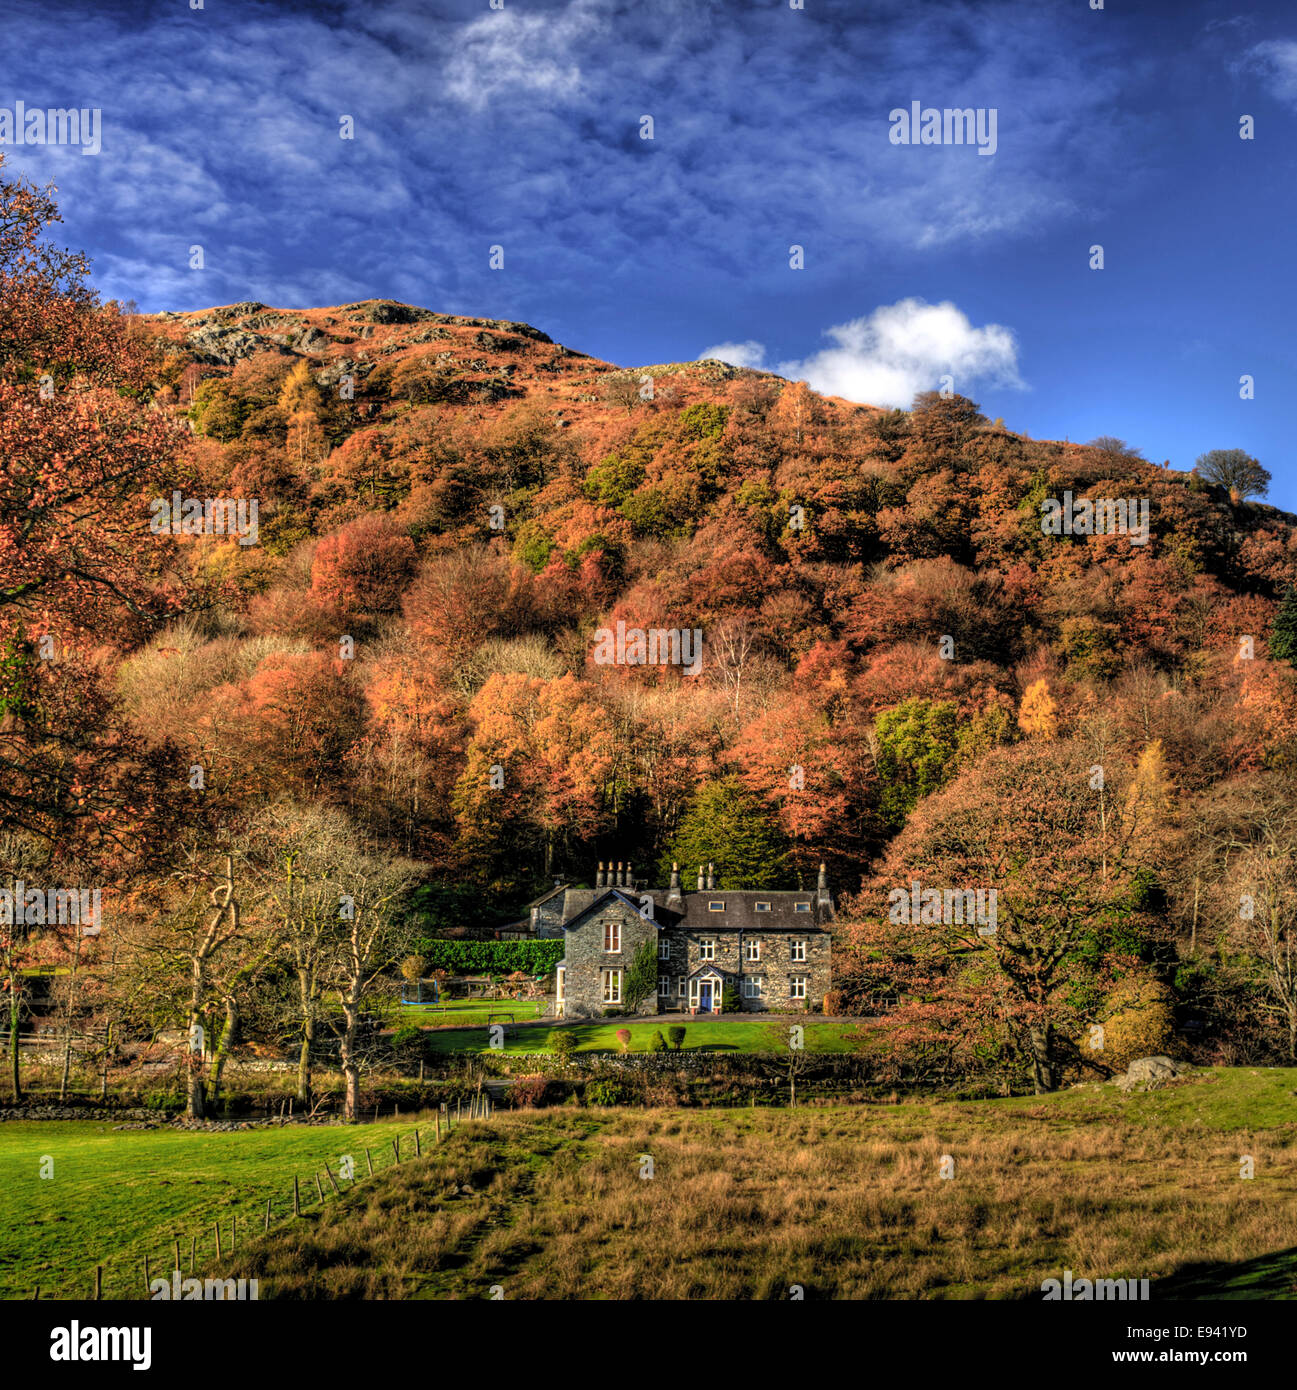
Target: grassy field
{"x": 846, "y": 1202}
{"x": 115, "y": 1196}
{"x": 701, "y": 1035}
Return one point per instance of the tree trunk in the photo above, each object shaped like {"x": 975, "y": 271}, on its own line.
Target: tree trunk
{"x": 15, "y": 1063}
{"x": 229, "y": 1037}
{"x": 304, "y": 1060}
{"x": 1042, "y": 1066}
{"x": 194, "y": 1054}
{"x": 350, "y": 1066}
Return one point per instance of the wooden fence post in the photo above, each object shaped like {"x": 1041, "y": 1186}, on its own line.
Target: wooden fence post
{"x": 328, "y": 1173}
{"x": 177, "y": 1254}
{"x": 193, "y": 1246}
{"x": 396, "y": 1148}
{"x": 319, "y": 1187}
{"x": 146, "y": 1274}
{"x": 297, "y": 1200}
{"x": 418, "y": 1152}
{"x": 216, "y": 1226}
{"x": 370, "y": 1160}
{"x": 267, "y": 1215}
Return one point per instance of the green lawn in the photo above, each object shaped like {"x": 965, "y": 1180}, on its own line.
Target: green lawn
{"x": 701, "y": 1035}
{"x": 467, "y": 1013}
{"x": 116, "y": 1195}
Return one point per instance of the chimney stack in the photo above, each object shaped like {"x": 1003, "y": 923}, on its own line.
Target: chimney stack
{"x": 675, "y": 898}
{"x": 621, "y": 874}
{"x": 711, "y": 879}
{"x": 630, "y": 875}
{"x": 823, "y": 897}
{"x": 702, "y": 883}
{"x": 598, "y": 878}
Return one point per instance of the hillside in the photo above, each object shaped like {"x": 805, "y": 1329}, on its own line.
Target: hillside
{"x": 445, "y": 522}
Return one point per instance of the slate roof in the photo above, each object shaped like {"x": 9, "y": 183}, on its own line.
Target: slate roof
{"x": 694, "y": 915}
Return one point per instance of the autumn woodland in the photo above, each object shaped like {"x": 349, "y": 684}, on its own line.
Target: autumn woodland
{"x": 381, "y": 684}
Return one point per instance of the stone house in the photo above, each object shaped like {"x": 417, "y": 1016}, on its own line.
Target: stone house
{"x": 772, "y": 948}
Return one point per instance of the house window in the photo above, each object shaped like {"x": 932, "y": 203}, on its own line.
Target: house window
{"x": 715, "y": 906}
{"x": 751, "y": 950}
{"x": 797, "y": 987}
{"x": 664, "y": 949}
{"x": 751, "y": 987}
{"x": 612, "y": 986}
{"x": 798, "y": 950}
{"x": 612, "y": 936}
{"x": 707, "y": 950}
{"x": 664, "y": 985}
{"x": 762, "y": 907}
{"x": 559, "y": 983}
{"x": 801, "y": 907}
{"x": 681, "y": 990}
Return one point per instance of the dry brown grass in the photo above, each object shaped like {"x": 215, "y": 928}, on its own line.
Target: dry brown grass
{"x": 847, "y": 1203}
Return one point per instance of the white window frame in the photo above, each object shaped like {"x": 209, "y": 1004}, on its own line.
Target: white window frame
{"x": 664, "y": 948}
{"x": 716, "y": 905}
{"x": 797, "y": 986}
{"x": 797, "y": 952}
{"x": 801, "y": 907}
{"x": 664, "y": 986}
{"x": 752, "y": 986}
{"x": 762, "y": 907}
{"x": 611, "y": 980}
{"x": 707, "y": 948}
{"x": 684, "y": 988}
{"x": 612, "y": 931}
{"x": 751, "y": 951}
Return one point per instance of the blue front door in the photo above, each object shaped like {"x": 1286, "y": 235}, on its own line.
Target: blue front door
{"x": 705, "y": 995}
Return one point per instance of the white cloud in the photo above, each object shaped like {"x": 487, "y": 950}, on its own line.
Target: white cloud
{"x": 887, "y": 357}
{"x": 507, "y": 52}
{"x": 749, "y": 354}
{"x": 1276, "y": 61}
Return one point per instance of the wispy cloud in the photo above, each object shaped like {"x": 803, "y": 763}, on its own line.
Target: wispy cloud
{"x": 1275, "y": 62}
{"x": 521, "y": 127}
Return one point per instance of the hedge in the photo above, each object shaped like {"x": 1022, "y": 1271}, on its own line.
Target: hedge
{"x": 492, "y": 957}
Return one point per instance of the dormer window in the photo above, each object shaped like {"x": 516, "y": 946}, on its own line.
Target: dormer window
{"x": 801, "y": 907}
{"x": 715, "y": 906}
{"x": 762, "y": 907}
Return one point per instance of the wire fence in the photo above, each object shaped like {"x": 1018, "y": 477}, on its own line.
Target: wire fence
{"x": 128, "y": 1275}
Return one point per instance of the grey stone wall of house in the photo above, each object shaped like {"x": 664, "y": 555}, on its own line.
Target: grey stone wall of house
{"x": 547, "y": 918}
{"x": 775, "y": 966}
{"x": 586, "y": 960}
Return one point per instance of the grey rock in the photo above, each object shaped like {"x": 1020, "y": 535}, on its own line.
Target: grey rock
{"x": 1148, "y": 1073}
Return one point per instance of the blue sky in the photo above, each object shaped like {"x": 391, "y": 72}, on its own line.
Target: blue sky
{"x": 520, "y": 128}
